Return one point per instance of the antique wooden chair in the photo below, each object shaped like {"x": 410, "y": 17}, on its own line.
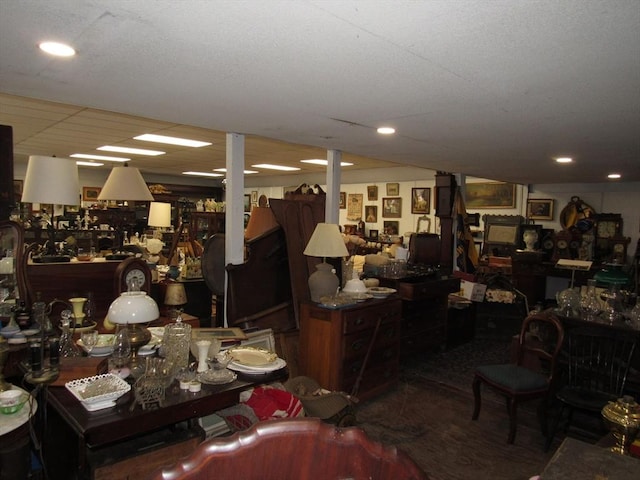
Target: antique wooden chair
{"x": 295, "y": 448}
{"x": 598, "y": 363}
{"x": 541, "y": 337}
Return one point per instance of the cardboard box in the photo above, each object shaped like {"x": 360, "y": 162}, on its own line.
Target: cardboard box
{"x": 472, "y": 291}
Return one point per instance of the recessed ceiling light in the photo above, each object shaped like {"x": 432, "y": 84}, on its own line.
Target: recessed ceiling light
{"x": 184, "y": 142}
{"x": 224, "y": 170}
{"x": 203, "y": 174}
{"x": 57, "y": 49}
{"x": 386, "y": 130}
{"x": 564, "y": 159}
{"x": 320, "y": 161}
{"x": 275, "y": 167}
{"x": 133, "y": 151}
{"x": 89, "y": 164}
{"x": 614, "y": 176}
{"x": 99, "y": 157}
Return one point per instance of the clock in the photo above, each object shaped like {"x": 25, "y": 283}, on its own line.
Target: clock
{"x": 562, "y": 245}
{"x": 132, "y": 269}
{"x": 608, "y": 225}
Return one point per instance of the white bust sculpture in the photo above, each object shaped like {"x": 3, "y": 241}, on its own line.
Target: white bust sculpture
{"x": 530, "y": 238}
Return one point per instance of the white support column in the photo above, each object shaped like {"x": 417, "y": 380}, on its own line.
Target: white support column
{"x": 234, "y": 198}
{"x": 331, "y": 208}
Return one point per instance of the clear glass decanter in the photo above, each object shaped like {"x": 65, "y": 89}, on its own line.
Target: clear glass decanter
{"x": 569, "y": 302}
{"x": 68, "y": 347}
{"x": 590, "y": 304}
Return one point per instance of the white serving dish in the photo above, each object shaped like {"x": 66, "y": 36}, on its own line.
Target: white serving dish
{"x": 99, "y": 391}
{"x": 277, "y": 364}
{"x": 251, "y": 356}
{"x": 380, "y": 292}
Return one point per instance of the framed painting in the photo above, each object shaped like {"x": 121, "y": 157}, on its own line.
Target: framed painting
{"x": 540, "y": 209}
{"x": 354, "y": 207}
{"x": 393, "y": 189}
{"x": 17, "y": 187}
{"x": 391, "y": 227}
{"x": 371, "y": 214}
{"x": 490, "y": 195}
{"x": 372, "y": 192}
{"x": 420, "y": 199}
{"x": 247, "y": 202}
{"x": 90, "y": 194}
{"x": 373, "y": 234}
{"x": 254, "y": 197}
{"x": 392, "y": 207}
{"x": 343, "y": 200}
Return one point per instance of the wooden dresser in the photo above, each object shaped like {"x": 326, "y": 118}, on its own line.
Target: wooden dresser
{"x": 336, "y": 343}
{"x": 424, "y": 311}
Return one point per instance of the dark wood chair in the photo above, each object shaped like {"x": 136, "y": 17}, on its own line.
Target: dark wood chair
{"x": 598, "y": 365}
{"x": 541, "y": 336}
{"x": 295, "y": 449}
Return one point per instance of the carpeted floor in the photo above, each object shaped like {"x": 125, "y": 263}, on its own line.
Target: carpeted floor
{"x": 428, "y": 415}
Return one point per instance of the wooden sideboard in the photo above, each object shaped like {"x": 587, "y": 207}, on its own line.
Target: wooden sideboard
{"x": 357, "y": 345}
{"x": 425, "y": 302}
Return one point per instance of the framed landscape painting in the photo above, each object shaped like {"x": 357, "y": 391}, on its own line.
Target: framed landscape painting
{"x": 490, "y": 195}
{"x": 540, "y": 209}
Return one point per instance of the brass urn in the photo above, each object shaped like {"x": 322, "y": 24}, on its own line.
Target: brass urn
{"x": 623, "y": 419}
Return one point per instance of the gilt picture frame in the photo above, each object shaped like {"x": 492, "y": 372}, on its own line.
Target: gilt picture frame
{"x": 392, "y": 207}
{"x": 420, "y": 200}
{"x": 490, "y": 195}
{"x": 540, "y": 209}
{"x": 90, "y": 194}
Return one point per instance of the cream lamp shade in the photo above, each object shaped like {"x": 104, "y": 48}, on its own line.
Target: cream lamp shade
{"x": 175, "y": 295}
{"x": 51, "y": 180}
{"x": 159, "y": 214}
{"x": 326, "y": 241}
{"x": 125, "y": 183}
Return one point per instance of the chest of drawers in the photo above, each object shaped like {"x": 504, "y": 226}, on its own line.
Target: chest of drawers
{"x": 335, "y": 344}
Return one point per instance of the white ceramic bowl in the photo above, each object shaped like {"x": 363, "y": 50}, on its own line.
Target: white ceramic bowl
{"x": 103, "y": 347}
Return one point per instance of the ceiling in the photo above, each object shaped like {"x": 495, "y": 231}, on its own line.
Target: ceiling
{"x": 492, "y": 89}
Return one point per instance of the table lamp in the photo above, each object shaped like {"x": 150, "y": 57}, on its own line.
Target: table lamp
{"x": 159, "y": 216}
{"x": 134, "y": 309}
{"x": 125, "y": 183}
{"x": 174, "y": 297}
{"x": 326, "y": 241}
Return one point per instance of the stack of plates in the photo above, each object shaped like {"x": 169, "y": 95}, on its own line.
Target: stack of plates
{"x": 251, "y": 360}
{"x": 380, "y": 292}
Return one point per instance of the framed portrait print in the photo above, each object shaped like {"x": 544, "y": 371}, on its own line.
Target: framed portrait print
{"x": 420, "y": 199}
{"x": 247, "y": 202}
{"x": 392, "y": 207}
{"x": 343, "y": 200}
{"x": 371, "y": 214}
{"x": 90, "y": 194}
{"x": 254, "y": 197}
{"x": 393, "y": 189}
{"x": 372, "y": 192}
{"x": 540, "y": 209}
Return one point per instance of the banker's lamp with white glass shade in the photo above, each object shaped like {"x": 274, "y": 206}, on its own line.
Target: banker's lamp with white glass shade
{"x": 326, "y": 241}
{"x": 125, "y": 183}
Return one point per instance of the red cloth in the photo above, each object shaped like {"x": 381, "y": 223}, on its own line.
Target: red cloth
{"x": 268, "y": 403}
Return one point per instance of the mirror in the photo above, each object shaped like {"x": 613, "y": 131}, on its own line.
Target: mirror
{"x": 12, "y": 275}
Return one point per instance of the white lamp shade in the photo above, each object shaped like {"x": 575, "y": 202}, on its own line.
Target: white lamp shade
{"x": 125, "y": 183}
{"x": 159, "y": 214}
{"x": 133, "y": 307}
{"x": 326, "y": 241}
{"x": 51, "y": 180}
